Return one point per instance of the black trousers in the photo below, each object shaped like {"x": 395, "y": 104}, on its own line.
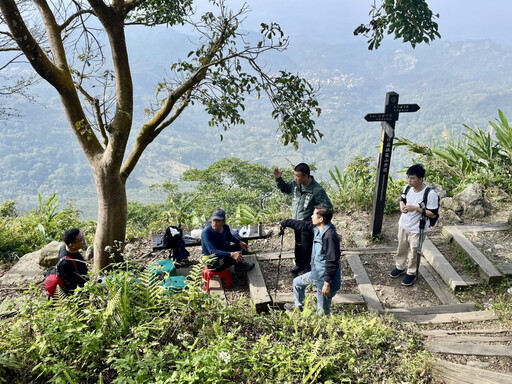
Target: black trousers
{"x": 224, "y": 263}
{"x": 303, "y": 248}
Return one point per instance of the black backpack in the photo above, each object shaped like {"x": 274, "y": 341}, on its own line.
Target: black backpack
{"x": 174, "y": 242}
{"x": 432, "y": 221}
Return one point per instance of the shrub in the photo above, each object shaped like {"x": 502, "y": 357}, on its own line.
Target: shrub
{"x": 479, "y": 156}
{"x": 132, "y": 331}
{"x": 354, "y": 189}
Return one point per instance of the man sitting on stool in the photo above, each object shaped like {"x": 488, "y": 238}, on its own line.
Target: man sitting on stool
{"x": 215, "y": 241}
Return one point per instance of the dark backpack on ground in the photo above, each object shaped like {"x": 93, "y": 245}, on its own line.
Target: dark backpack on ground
{"x": 53, "y": 278}
{"x": 432, "y": 221}
{"x": 175, "y": 243}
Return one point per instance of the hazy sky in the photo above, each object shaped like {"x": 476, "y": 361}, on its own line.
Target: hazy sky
{"x": 335, "y": 20}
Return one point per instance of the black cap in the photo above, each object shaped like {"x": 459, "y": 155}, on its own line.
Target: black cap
{"x": 219, "y": 214}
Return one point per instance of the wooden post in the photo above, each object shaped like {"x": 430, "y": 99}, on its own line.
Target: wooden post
{"x": 388, "y": 120}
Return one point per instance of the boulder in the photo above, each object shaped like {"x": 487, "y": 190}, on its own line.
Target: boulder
{"x": 451, "y": 204}
{"x": 438, "y": 188}
{"x": 49, "y": 254}
{"x": 27, "y": 270}
{"x": 472, "y": 201}
{"x": 449, "y": 217}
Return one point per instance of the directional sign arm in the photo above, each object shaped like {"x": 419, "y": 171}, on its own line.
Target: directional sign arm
{"x": 406, "y": 107}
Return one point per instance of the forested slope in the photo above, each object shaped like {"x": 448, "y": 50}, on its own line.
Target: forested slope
{"x": 454, "y": 84}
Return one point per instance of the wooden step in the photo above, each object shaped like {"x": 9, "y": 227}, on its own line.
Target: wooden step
{"x": 364, "y": 284}
{"x": 486, "y": 269}
{"x": 289, "y": 254}
{"x": 438, "y": 318}
{"x": 451, "y": 373}
{"x": 506, "y": 269}
{"x": 217, "y": 290}
{"x": 455, "y": 332}
{"x": 270, "y": 256}
{"x": 435, "y": 309}
{"x": 443, "y": 293}
{"x": 257, "y": 287}
{"x": 486, "y": 227}
{"x": 468, "y": 348}
{"x": 368, "y": 251}
{"x": 442, "y": 266}
{"x": 345, "y": 298}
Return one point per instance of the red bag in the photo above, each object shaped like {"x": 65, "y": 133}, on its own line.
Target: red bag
{"x": 51, "y": 282}
{"x": 53, "y": 278}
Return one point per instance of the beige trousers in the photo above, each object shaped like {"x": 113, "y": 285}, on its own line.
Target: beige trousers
{"x": 406, "y": 254}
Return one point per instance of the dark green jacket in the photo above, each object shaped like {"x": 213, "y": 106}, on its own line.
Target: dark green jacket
{"x": 304, "y": 199}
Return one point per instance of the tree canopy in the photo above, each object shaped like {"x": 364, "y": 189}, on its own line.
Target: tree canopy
{"x": 64, "y": 43}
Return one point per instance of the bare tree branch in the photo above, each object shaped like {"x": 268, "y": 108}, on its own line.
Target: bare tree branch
{"x": 96, "y": 106}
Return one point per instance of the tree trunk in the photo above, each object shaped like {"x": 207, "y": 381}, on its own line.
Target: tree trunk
{"x": 112, "y": 217}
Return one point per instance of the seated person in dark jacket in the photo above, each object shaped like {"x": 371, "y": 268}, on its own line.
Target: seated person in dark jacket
{"x": 73, "y": 271}
{"x": 325, "y": 260}
{"x": 215, "y": 241}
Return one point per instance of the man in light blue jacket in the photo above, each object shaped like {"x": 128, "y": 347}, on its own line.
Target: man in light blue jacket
{"x": 325, "y": 260}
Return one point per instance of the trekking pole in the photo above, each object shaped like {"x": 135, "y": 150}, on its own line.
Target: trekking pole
{"x": 423, "y": 221}
{"x": 281, "y": 233}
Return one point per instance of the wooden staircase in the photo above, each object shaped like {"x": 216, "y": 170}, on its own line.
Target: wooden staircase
{"x": 444, "y": 281}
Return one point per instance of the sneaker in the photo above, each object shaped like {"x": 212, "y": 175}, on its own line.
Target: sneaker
{"x": 408, "y": 279}
{"x": 296, "y": 269}
{"x": 244, "y": 266}
{"x": 396, "y": 273}
{"x": 290, "y": 307}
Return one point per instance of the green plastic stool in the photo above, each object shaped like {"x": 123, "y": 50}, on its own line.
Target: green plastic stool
{"x": 161, "y": 269}
{"x": 175, "y": 283}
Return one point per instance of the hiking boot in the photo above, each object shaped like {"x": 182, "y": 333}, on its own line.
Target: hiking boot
{"x": 297, "y": 269}
{"x": 244, "y": 266}
{"x": 290, "y": 307}
{"x": 408, "y": 279}
{"x": 396, "y": 273}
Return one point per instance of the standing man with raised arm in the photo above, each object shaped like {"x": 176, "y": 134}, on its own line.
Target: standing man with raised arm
{"x": 306, "y": 194}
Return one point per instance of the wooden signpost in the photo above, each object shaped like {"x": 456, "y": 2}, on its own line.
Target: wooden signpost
{"x": 388, "y": 119}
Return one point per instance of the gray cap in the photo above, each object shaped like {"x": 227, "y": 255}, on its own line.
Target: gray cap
{"x": 219, "y": 214}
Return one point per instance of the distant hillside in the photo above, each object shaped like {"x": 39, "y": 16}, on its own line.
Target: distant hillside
{"x": 454, "y": 84}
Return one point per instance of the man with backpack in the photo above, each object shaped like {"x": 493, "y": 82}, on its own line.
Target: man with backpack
{"x": 71, "y": 265}
{"x": 419, "y": 205}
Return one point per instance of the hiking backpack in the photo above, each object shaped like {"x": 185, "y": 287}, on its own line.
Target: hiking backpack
{"x": 173, "y": 239}
{"x": 53, "y": 278}
{"x": 431, "y": 220}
